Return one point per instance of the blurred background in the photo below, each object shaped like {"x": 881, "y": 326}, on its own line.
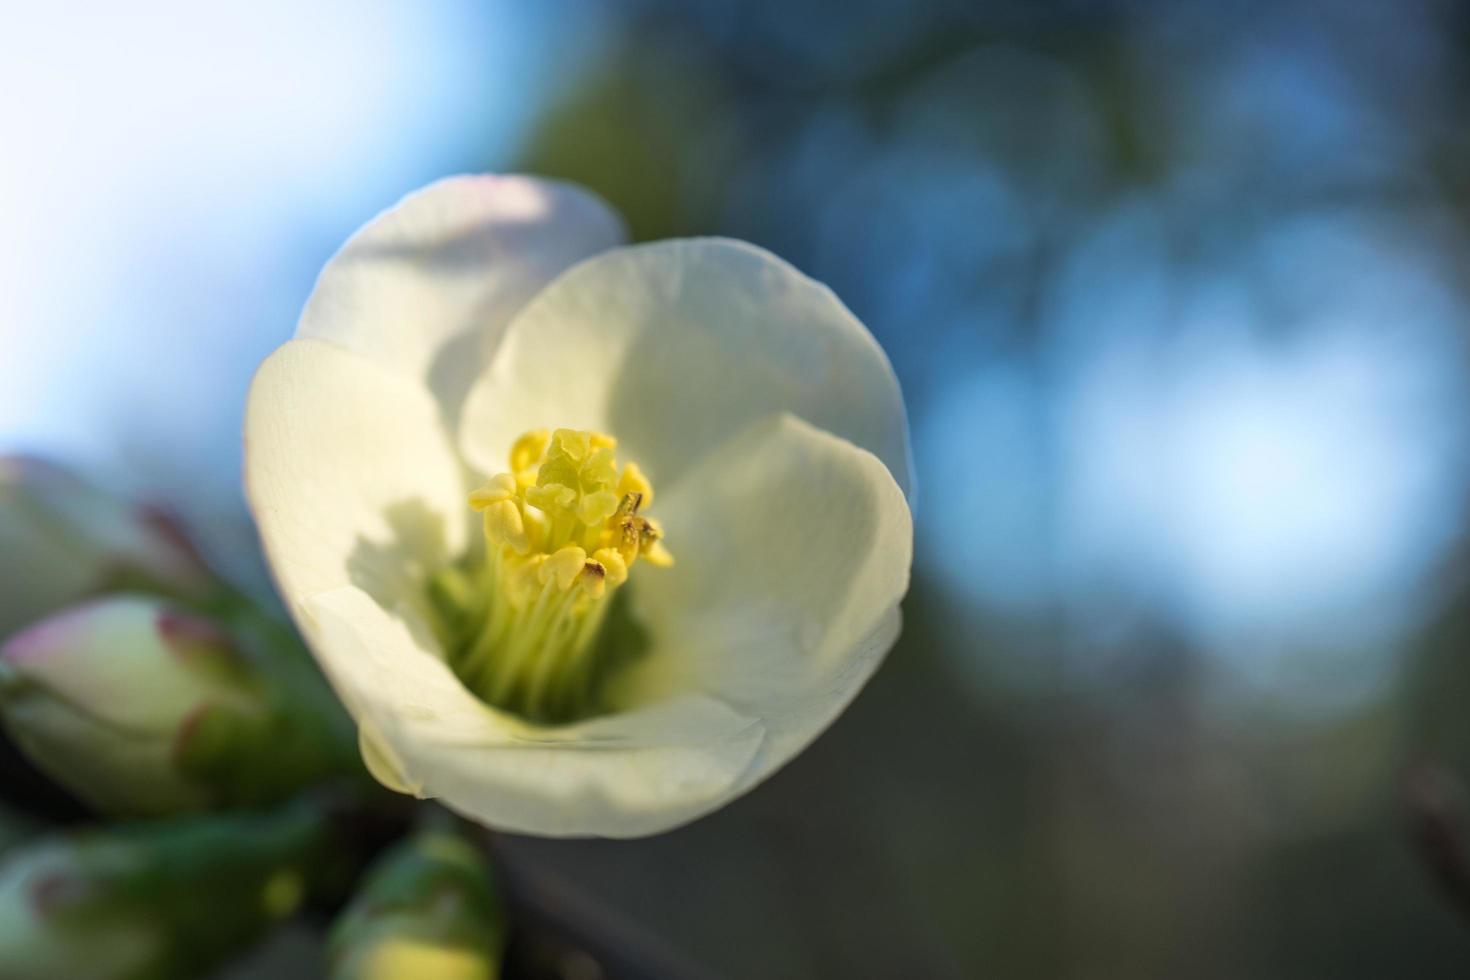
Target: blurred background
{"x": 1178, "y": 296}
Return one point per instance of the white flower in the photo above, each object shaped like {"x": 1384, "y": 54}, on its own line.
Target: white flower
{"x": 471, "y": 320}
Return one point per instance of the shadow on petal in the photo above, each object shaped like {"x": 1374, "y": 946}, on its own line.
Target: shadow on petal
{"x": 396, "y": 571}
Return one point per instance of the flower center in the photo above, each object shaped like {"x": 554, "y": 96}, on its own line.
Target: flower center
{"x": 563, "y": 529}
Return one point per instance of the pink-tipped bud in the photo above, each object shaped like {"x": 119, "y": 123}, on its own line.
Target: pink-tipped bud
{"x": 62, "y": 538}
{"x": 105, "y": 696}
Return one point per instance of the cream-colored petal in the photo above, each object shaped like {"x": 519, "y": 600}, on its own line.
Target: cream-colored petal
{"x": 382, "y": 763}
{"x": 674, "y": 346}
{"x": 349, "y": 475}
{"x": 622, "y": 775}
{"x": 427, "y": 287}
{"x": 794, "y": 548}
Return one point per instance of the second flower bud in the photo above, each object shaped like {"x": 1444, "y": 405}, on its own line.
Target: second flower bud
{"x": 140, "y": 708}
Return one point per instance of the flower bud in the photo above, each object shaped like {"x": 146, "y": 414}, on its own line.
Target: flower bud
{"x": 161, "y": 900}
{"x": 61, "y": 539}
{"x": 141, "y": 709}
{"x": 427, "y": 909}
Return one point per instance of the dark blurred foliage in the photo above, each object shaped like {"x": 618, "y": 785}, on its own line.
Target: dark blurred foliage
{"x": 1081, "y": 784}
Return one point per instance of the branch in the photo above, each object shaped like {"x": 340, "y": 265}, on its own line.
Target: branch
{"x": 1435, "y": 800}
{"x": 558, "y": 931}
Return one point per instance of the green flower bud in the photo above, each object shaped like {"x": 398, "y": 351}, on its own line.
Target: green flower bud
{"x": 156, "y": 901}
{"x": 62, "y": 539}
{"x": 140, "y": 709}
{"x": 428, "y": 908}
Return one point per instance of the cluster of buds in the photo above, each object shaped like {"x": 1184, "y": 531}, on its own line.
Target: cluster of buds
{"x": 131, "y": 673}
{"x": 142, "y": 708}
{"x": 141, "y": 682}
{"x": 134, "y": 676}
{"x": 164, "y": 899}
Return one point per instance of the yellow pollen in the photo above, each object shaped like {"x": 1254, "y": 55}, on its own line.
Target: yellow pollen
{"x": 633, "y": 481}
{"x": 564, "y": 528}
{"x": 613, "y": 564}
{"x": 593, "y": 579}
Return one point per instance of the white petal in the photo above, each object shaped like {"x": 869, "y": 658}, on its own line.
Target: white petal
{"x": 427, "y": 287}
{"x": 676, "y": 345}
{"x": 349, "y": 475}
{"x": 793, "y": 551}
{"x": 621, "y": 775}
{"x": 382, "y": 763}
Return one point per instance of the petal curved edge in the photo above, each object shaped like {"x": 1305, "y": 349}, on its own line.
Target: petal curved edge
{"x": 794, "y": 550}
{"x": 676, "y": 345}
{"x": 428, "y": 286}
{"x": 349, "y": 475}
{"x": 623, "y": 775}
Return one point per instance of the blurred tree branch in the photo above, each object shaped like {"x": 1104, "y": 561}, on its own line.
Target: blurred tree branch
{"x": 558, "y": 932}
{"x": 1436, "y": 803}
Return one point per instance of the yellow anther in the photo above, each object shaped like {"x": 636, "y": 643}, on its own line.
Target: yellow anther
{"x": 595, "y": 508}
{"x": 503, "y": 525}
{"x": 593, "y": 579}
{"x": 658, "y": 556}
{"x": 633, "y": 481}
{"x": 651, "y": 547}
{"x": 563, "y": 567}
{"x": 502, "y": 486}
{"x": 601, "y": 440}
{"x": 628, "y": 505}
{"x": 528, "y": 450}
{"x": 616, "y": 569}
{"x": 625, "y": 539}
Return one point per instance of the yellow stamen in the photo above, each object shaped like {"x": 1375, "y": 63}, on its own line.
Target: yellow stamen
{"x": 528, "y": 449}
{"x": 633, "y": 481}
{"x": 593, "y": 579}
{"x": 563, "y": 567}
{"x": 501, "y": 487}
{"x": 505, "y": 526}
{"x": 564, "y": 528}
{"x": 617, "y": 569}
